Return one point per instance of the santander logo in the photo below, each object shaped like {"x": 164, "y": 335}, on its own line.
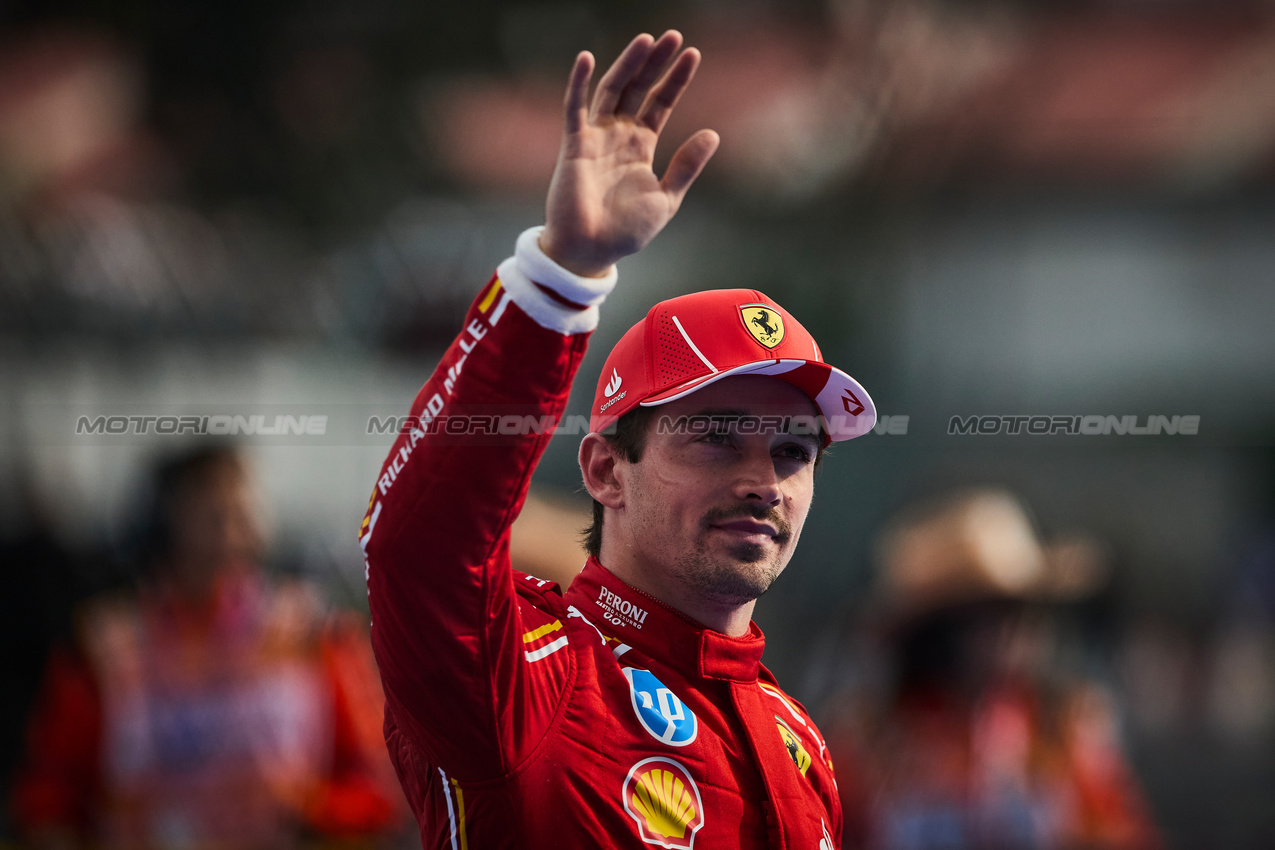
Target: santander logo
{"x": 613, "y": 385}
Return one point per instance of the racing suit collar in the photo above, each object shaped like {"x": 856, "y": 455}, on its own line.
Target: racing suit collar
{"x": 655, "y": 629}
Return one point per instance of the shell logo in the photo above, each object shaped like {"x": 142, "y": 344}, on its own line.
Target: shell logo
{"x": 660, "y": 795}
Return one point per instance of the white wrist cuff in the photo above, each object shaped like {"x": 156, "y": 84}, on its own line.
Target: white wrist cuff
{"x": 530, "y": 266}
{"x": 585, "y": 291}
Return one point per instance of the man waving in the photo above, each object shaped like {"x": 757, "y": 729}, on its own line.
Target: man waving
{"x": 632, "y": 708}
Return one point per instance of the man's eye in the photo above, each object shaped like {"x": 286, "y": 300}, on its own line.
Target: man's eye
{"x": 716, "y": 438}
{"x": 796, "y": 452}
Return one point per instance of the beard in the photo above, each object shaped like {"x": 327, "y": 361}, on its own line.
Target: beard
{"x": 746, "y": 570}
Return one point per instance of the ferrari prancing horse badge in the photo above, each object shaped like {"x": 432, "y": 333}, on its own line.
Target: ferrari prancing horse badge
{"x": 764, "y": 323}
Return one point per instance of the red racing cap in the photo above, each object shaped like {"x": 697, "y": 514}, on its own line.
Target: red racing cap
{"x": 689, "y": 342}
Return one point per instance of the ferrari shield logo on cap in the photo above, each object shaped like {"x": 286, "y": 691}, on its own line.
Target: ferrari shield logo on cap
{"x": 764, "y": 323}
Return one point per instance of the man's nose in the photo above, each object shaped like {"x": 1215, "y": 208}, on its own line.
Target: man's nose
{"x": 757, "y": 479}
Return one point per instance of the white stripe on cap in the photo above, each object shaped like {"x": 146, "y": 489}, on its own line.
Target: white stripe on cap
{"x": 698, "y": 353}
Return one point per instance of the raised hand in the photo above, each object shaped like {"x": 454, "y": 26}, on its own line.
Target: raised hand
{"x": 605, "y": 201}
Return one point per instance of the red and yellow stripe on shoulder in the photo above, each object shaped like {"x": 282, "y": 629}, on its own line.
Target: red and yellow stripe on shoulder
{"x": 369, "y": 520}
{"x": 544, "y": 640}
{"x": 493, "y": 302}
{"x": 542, "y": 614}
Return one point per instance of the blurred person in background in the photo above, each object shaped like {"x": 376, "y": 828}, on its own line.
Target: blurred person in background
{"x": 213, "y": 708}
{"x": 39, "y": 583}
{"x": 967, "y": 727}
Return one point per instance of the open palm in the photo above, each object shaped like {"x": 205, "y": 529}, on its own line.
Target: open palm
{"x": 605, "y": 201}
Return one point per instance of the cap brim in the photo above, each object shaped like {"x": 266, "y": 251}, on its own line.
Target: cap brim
{"x": 846, "y": 407}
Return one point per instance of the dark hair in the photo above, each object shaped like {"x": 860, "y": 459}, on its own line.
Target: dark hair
{"x": 171, "y": 479}
{"x": 628, "y": 438}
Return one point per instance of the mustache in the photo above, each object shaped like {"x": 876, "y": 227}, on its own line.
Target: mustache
{"x": 760, "y": 513}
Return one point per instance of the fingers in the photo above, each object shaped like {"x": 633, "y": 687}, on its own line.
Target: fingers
{"x": 664, "y": 96}
{"x": 613, "y": 82}
{"x": 635, "y": 92}
{"x": 688, "y": 162}
{"x": 575, "y": 103}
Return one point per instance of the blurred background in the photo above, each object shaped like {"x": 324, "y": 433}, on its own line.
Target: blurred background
{"x": 980, "y": 209}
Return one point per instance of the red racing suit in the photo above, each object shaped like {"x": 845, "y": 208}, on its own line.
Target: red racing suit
{"x": 519, "y": 715}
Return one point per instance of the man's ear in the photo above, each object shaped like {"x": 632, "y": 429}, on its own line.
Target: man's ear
{"x": 598, "y": 460}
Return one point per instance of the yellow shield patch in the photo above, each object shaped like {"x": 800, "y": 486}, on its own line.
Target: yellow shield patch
{"x": 764, "y": 323}
{"x": 796, "y": 751}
